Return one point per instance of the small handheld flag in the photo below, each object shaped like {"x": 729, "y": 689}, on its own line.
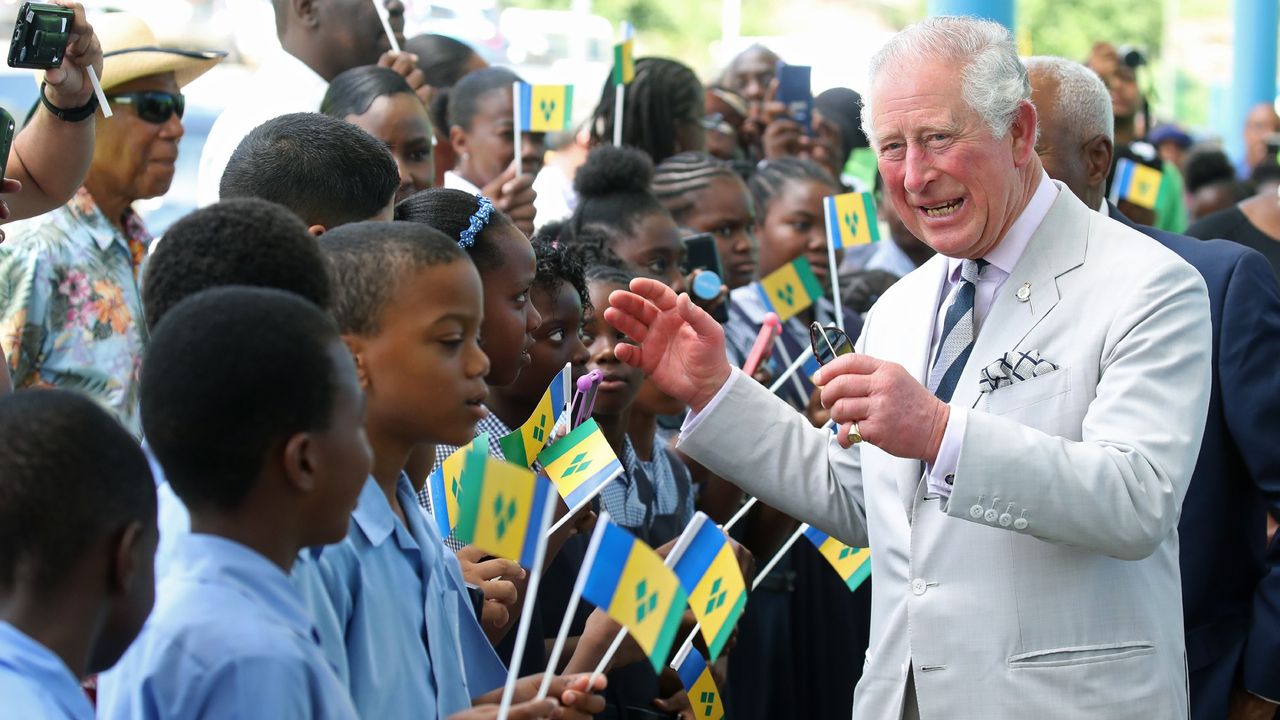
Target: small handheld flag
{"x": 851, "y": 219}
{"x": 790, "y": 289}
{"x": 445, "y": 485}
{"x": 522, "y": 445}
{"x": 628, "y": 580}
{"x": 501, "y": 507}
{"x": 852, "y": 564}
{"x": 698, "y": 682}
{"x": 1136, "y": 183}
{"x": 580, "y": 464}
{"x": 624, "y": 62}
{"x": 710, "y": 575}
{"x": 505, "y": 510}
{"x": 544, "y": 108}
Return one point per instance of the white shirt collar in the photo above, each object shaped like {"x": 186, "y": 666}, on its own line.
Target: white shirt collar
{"x": 454, "y": 181}
{"x": 1006, "y": 254}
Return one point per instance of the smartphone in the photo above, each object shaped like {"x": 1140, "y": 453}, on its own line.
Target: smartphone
{"x": 40, "y": 36}
{"x": 700, "y": 253}
{"x": 6, "y": 139}
{"x": 796, "y": 92}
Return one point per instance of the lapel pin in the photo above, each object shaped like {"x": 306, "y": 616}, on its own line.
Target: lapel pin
{"x": 1024, "y": 292}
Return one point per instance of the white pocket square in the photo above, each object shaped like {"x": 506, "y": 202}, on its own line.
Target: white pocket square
{"x": 1014, "y": 367}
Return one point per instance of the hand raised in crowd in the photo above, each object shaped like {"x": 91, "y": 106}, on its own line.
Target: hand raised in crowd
{"x": 406, "y": 64}
{"x": 677, "y": 344}
{"x": 68, "y": 86}
{"x": 783, "y": 137}
{"x": 491, "y": 576}
{"x": 893, "y": 410}
{"x": 514, "y": 195}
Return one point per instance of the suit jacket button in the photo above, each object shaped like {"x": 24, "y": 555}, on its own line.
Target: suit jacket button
{"x": 1006, "y": 520}
{"x": 1020, "y": 524}
{"x": 918, "y": 586}
{"x": 992, "y": 515}
{"x": 975, "y": 512}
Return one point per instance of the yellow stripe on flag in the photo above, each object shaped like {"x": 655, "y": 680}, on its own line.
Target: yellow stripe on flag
{"x": 718, "y": 598}
{"x": 1144, "y": 187}
{"x": 644, "y": 598}
{"x": 549, "y": 108}
{"x": 505, "y": 495}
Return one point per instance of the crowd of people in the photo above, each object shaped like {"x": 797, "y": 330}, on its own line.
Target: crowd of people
{"x": 215, "y": 445}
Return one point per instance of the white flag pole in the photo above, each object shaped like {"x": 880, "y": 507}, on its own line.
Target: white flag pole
{"x": 526, "y": 615}
{"x": 517, "y": 102}
{"x": 777, "y": 557}
{"x": 574, "y": 598}
{"x": 835, "y": 271}
{"x": 386, "y": 24}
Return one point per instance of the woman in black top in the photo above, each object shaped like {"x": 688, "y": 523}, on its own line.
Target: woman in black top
{"x": 1253, "y": 223}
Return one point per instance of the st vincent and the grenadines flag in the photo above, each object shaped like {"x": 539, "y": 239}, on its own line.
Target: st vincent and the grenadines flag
{"x": 790, "y": 289}
{"x": 852, "y": 564}
{"x": 629, "y": 581}
{"x": 445, "y": 485}
{"x": 851, "y": 219}
{"x": 709, "y": 573}
{"x": 522, "y": 445}
{"x": 545, "y": 108}
{"x": 704, "y": 696}
{"x": 502, "y": 508}
{"x": 580, "y": 463}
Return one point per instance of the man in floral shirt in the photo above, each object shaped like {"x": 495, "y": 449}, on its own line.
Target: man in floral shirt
{"x": 70, "y": 309}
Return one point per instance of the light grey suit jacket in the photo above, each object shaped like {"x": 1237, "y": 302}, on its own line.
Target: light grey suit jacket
{"x": 1078, "y": 613}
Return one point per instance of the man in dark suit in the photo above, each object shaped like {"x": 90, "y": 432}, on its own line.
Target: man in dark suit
{"x": 1230, "y": 580}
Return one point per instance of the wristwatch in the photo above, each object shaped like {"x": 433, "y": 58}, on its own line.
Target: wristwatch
{"x": 83, "y": 112}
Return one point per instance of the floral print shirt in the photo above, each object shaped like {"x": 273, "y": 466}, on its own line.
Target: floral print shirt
{"x": 70, "y": 304}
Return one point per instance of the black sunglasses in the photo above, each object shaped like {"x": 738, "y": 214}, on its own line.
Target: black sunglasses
{"x": 153, "y": 106}
{"x": 828, "y": 343}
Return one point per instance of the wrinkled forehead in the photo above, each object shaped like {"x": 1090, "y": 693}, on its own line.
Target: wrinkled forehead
{"x": 925, "y": 96}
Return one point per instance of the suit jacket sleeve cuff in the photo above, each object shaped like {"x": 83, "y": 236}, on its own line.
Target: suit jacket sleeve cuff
{"x": 693, "y": 419}
{"x": 941, "y": 474}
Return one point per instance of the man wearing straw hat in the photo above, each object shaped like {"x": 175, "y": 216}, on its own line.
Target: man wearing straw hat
{"x": 70, "y": 311}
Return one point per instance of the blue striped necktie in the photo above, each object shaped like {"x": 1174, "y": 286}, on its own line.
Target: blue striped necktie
{"x": 957, "y": 333}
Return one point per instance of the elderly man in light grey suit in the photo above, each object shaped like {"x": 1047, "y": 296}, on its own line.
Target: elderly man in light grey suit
{"x": 1017, "y": 428}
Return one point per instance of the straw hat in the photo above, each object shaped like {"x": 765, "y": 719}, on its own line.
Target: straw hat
{"x": 130, "y": 51}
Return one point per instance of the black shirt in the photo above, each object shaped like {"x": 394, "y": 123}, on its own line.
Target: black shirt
{"x": 1232, "y": 224}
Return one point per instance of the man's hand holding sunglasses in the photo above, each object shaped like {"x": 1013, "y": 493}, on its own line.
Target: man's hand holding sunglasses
{"x": 891, "y": 409}
{"x": 68, "y": 85}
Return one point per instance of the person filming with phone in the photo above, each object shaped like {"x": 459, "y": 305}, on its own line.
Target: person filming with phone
{"x": 70, "y": 310}
{"x": 1018, "y": 425}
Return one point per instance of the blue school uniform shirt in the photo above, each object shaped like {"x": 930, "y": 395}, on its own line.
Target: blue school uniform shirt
{"x": 172, "y": 517}
{"x": 34, "y": 682}
{"x": 394, "y": 614}
{"x": 229, "y": 637}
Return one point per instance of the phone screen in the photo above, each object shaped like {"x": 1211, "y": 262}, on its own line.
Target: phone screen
{"x": 796, "y": 92}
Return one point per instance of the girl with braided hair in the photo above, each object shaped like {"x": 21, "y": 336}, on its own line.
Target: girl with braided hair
{"x": 705, "y": 195}
{"x": 663, "y": 110}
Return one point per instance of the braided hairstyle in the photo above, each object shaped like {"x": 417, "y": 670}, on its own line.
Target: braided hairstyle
{"x": 679, "y": 177}
{"x": 770, "y": 178}
{"x": 450, "y": 211}
{"x": 663, "y": 94}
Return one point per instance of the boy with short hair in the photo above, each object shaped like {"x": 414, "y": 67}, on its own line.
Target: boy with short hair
{"x": 409, "y": 304}
{"x": 243, "y": 241}
{"x": 77, "y": 533}
{"x": 327, "y": 171}
{"x": 250, "y": 402}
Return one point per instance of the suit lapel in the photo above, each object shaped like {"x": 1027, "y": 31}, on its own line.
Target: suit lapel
{"x": 1057, "y": 247}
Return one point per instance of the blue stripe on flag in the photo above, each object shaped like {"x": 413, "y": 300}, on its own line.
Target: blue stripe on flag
{"x": 526, "y": 106}
{"x": 816, "y": 536}
{"x": 691, "y": 669}
{"x": 440, "y": 502}
{"x": 606, "y": 569}
{"x": 693, "y": 564}
{"x": 593, "y": 483}
{"x": 541, "y": 488}
{"x": 833, "y": 223}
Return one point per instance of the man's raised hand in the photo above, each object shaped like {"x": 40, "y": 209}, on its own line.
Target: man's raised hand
{"x": 676, "y": 343}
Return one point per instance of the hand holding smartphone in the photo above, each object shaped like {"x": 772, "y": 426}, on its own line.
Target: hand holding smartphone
{"x": 795, "y": 91}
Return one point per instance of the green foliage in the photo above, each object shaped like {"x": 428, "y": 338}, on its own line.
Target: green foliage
{"x": 1069, "y": 29}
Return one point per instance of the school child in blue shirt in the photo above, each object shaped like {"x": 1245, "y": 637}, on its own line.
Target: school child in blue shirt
{"x": 77, "y": 534}
{"x": 250, "y": 403}
{"x": 244, "y": 241}
{"x": 409, "y": 304}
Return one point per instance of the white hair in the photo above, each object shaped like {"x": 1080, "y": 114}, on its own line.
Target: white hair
{"x": 993, "y": 79}
{"x": 1082, "y": 100}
